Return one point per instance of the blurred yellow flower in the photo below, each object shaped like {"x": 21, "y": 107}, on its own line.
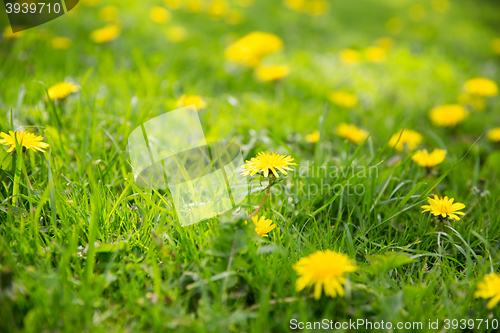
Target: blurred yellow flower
{"x": 176, "y": 34}
{"x": 410, "y": 138}
{"x": 173, "y": 4}
{"x": 313, "y": 137}
{"x": 444, "y": 207}
{"x": 263, "y": 226}
{"x": 494, "y": 134}
{"x": 106, "y": 34}
{"x": 350, "y": 56}
{"x": 417, "y": 13}
{"x": 476, "y": 102}
{"x": 295, "y": 4}
{"x": 250, "y": 49}
{"x": 351, "y": 133}
{"x": 218, "y": 8}
{"x": 268, "y": 73}
{"x": 394, "y": 25}
{"x": 316, "y": 7}
{"x": 342, "y": 98}
{"x": 375, "y": 54}
{"x": 426, "y": 160}
{"x": 109, "y": 14}
{"x": 8, "y": 34}
{"x": 385, "y": 42}
{"x": 448, "y": 115}
{"x": 325, "y": 270}
{"x": 160, "y": 15}
{"x": 234, "y": 17}
{"x": 186, "y": 100}
{"x": 25, "y": 139}
{"x": 495, "y": 45}
{"x": 481, "y": 87}
{"x": 267, "y": 163}
{"x": 195, "y": 6}
{"x": 61, "y": 43}
{"x": 62, "y": 90}
{"x": 440, "y": 6}
{"x": 489, "y": 287}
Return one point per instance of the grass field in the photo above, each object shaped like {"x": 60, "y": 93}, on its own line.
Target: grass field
{"x": 85, "y": 249}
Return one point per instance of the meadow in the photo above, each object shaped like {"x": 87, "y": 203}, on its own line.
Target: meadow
{"x": 384, "y": 107}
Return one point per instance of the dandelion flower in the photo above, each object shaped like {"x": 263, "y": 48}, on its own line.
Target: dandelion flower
{"x": 25, "y": 139}
{"x": 250, "y": 49}
{"x": 109, "y": 14}
{"x": 194, "y": 6}
{"x": 495, "y": 45}
{"x": 271, "y": 73}
{"x": 350, "y": 57}
{"x": 316, "y": 7}
{"x": 426, "y": 160}
{"x": 444, "y": 207}
{"x": 481, "y": 87}
{"x": 186, "y": 100}
{"x": 375, "y": 54}
{"x": 409, "y": 138}
{"x": 494, "y": 134}
{"x": 263, "y": 226}
{"x": 160, "y": 15}
{"x": 296, "y": 5}
{"x": 60, "y": 43}
{"x": 351, "y": 133}
{"x": 218, "y": 8}
{"x": 324, "y": 270}
{"x": 313, "y": 137}
{"x": 489, "y": 287}
{"x": 342, "y": 98}
{"x": 176, "y": 34}
{"x": 9, "y": 34}
{"x": 173, "y": 4}
{"x": 106, "y": 34}
{"x": 447, "y": 115}
{"x": 62, "y": 90}
{"x": 267, "y": 162}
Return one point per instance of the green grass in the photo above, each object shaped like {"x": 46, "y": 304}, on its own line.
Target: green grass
{"x": 83, "y": 249}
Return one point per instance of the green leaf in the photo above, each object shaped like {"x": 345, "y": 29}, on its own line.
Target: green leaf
{"x": 382, "y": 263}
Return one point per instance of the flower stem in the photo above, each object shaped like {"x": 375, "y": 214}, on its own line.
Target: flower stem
{"x": 263, "y": 201}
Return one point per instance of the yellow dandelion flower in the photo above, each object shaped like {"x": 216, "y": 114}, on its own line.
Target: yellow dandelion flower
{"x": 385, "y": 42}
{"x": 313, "y": 137}
{"x": 417, "y": 13}
{"x": 296, "y": 5}
{"x": 271, "y": 73}
{"x": 375, "y": 54}
{"x": 60, "y": 43}
{"x": 218, "y": 8}
{"x": 250, "y": 49}
{"x": 394, "y": 25}
{"x": 325, "y": 270}
{"x": 195, "y": 6}
{"x": 109, "y": 14}
{"x": 351, "y": 133}
{"x": 342, "y": 98}
{"x": 263, "y": 226}
{"x": 173, "y": 4}
{"x": 25, "y": 139}
{"x": 444, "y": 207}
{"x": 411, "y": 139}
{"x": 481, "y": 87}
{"x": 350, "y": 56}
{"x": 495, "y": 45}
{"x": 478, "y": 103}
{"x": 186, "y": 100}
{"x": 424, "y": 159}
{"x": 489, "y": 287}
{"x": 316, "y": 7}
{"x": 267, "y": 162}
{"x": 176, "y": 34}
{"x": 159, "y": 14}
{"x": 9, "y": 34}
{"x": 62, "y": 90}
{"x": 106, "y": 34}
{"x": 448, "y": 115}
{"x": 494, "y": 134}
{"x": 440, "y": 6}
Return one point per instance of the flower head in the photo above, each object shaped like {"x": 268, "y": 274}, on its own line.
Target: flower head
{"x": 316, "y": 7}
{"x": 271, "y": 73}
{"x": 160, "y": 15}
{"x": 60, "y": 43}
{"x": 250, "y": 49}
{"x": 267, "y": 162}
{"x": 109, "y": 14}
{"x": 106, "y": 34}
{"x": 424, "y": 159}
{"x": 494, "y": 134}
{"x": 313, "y": 137}
{"x": 350, "y": 56}
{"x": 9, "y": 34}
{"x": 342, "y": 98}
{"x": 262, "y": 225}
{"x": 25, "y": 139}
{"x": 409, "y": 138}
{"x": 352, "y": 133}
{"x": 489, "y": 287}
{"x": 375, "y": 54}
{"x": 444, "y": 207}
{"x": 176, "y": 34}
{"x": 62, "y": 90}
{"x": 481, "y": 87}
{"x": 186, "y": 100}
{"x": 447, "y": 115}
{"x": 324, "y": 270}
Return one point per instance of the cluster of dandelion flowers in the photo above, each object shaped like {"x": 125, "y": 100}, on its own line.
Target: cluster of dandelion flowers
{"x": 62, "y": 90}
{"x": 268, "y": 164}
{"x": 489, "y": 287}
{"x": 263, "y": 226}
{"x": 481, "y": 87}
{"x": 444, "y": 207}
{"x": 426, "y": 160}
{"x": 250, "y": 49}
{"x": 25, "y": 139}
{"x": 325, "y": 270}
{"x": 343, "y": 99}
{"x": 195, "y": 100}
{"x": 271, "y": 73}
{"x": 448, "y": 115}
{"x": 351, "y": 133}
{"x": 409, "y": 138}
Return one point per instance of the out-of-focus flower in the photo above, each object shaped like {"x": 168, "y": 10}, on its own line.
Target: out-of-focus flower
{"x": 25, "y": 139}
{"x": 409, "y": 138}
{"x": 394, "y": 25}
{"x": 476, "y": 102}
{"x": 195, "y": 6}
{"x": 109, "y": 14}
{"x": 268, "y": 73}
{"x": 316, "y": 7}
{"x": 375, "y": 54}
{"x": 385, "y": 42}
{"x": 62, "y": 90}
{"x": 160, "y": 15}
{"x": 417, "y": 13}
{"x": 313, "y": 137}
{"x": 250, "y": 49}
{"x": 296, "y": 5}
{"x": 426, "y": 160}
{"x": 351, "y": 133}
{"x": 489, "y": 287}
{"x": 481, "y": 87}
{"x": 186, "y": 100}
{"x": 60, "y": 43}
{"x": 8, "y": 34}
{"x": 106, "y": 34}
{"x": 244, "y": 3}
{"x": 173, "y": 4}
{"x": 268, "y": 164}
{"x": 448, "y": 115}
{"x": 440, "y": 6}
{"x": 495, "y": 45}
{"x": 494, "y": 134}
{"x": 444, "y": 207}
{"x": 342, "y": 98}
{"x": 350, "y": 56}
{"x": 218, "y": 8}
{"x": 234, "y": 17}
{"x": 325, "y": 270}
{"x": 176, "y": 34}
{"x": 263, "y": 226}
